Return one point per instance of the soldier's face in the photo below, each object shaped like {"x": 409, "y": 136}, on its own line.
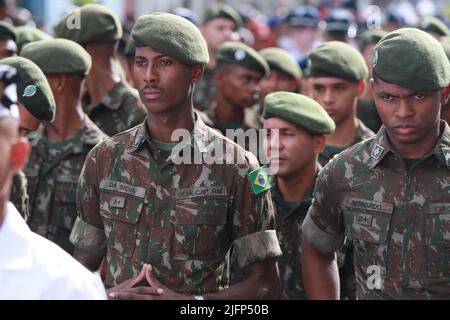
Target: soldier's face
{"x": 338, "y": 96}
{"x": 239, "y": 86}
{"x": 277, "y": 81}
{"x": 8, "y": 48}
{"x": 218, "y": 31}
{"x": 28, "y": 122}
{"x": 164, "y": 83}
{"x": 297, "y": 148}
{"x": 411, "y": 118}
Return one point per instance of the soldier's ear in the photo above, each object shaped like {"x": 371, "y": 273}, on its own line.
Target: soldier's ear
{"x": 20, "y": 154}
{"x": 361, "y": 88}
{"x": 445, "y": 94}
{"x": 319, "y": 144}
{"x": 197, "y": 74}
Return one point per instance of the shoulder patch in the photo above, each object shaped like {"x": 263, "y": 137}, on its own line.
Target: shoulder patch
{"x": 259, "y": 179}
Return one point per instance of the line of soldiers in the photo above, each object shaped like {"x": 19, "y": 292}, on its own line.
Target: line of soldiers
{"x": 160, "y": 229}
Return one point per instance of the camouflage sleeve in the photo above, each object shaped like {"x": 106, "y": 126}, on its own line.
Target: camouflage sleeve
{"x": 253, "y": 223}
{"x": 87, "y": 232}
{"x": 323, "y": 226}
{"x": 19, "y": 195}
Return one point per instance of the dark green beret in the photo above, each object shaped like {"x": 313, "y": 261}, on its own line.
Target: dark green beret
{"x": 130, "y": 48}
{"x": 300, "y": 110}
{"x": 27, "y": 34}
{"x": 412, "y": 59}
{"x": 33, "y": 90}
{"x": 58, "y": 56}
{"x": 338, "y": 60}
{"x": 98, "y": 24}
{"x": 282, "y": 61}
{"x": 221, "y": 10}
{"x": 7, "y": 31}
{"x": 172, "y": 35}
{"x": 433, "y": 24}
{"x": 370, "y": 37}
{"x": 445, "y": 41}
{"x": 240, "y": 54}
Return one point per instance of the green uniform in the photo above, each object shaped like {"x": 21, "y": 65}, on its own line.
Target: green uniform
{"x": 19, "y": 196}
{"x": 396, "y": 213}
{"x": 52, "y": 173}
{"x": 120, "y": 110}
{"x": 137, "y": 206}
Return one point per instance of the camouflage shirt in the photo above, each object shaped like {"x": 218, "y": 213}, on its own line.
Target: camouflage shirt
{"x": 205, "y": 91}
{"x": 19, "y": 195}
{"x": 52, "y": 175}
{"x": 136, "y": 206}
{"x": 362, "y": 133}
{"x": 398, "y": 219}
{"x": 120, "y": 110}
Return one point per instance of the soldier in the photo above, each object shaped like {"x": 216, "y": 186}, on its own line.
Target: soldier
{"x": 239, "y": 72}
{"x": 434, "y": 26}
{"x": 34, "y": 109}
{"x": 388, "y": 194}
{"x": 59, "y": 151}
{"x": 8, "y": 47}
{"x": 110, "y": 103}
{"x": 142, "y": 201}
{"x": 297, "y": 125}
{"x": 27, "y": 34}
{"x": 31, "y": 267}
{"x": 366, "y": 110}
{"x": 220, "y": 25}
{"x": 285, "y": 74}
{"x": 338, "y": 74}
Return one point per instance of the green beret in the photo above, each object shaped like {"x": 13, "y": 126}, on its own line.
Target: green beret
{"x": 172, "y": 35}
{"x": 27, "y": 34}
{"x": 412, "y": 59}
{"x": 58, "y": 56}
{"x": 370, "y": 37}
{"x": 433, "y": 24}
{"x": 282, "y": 61}
{"x": 98, "y": 24}
{"x": 33, "y": 90}
{"x": 445, "y": 41}
{"x": 7, "y": 31}
{"x": 240, "y": 54}
{"x": 221, "y": 10}
{"x": 338, "y": 60}
{"x": 300, "y": 110}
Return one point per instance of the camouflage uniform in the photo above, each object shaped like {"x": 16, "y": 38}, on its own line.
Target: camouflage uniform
{"x": 398, "y": 219}
{"x": 19, "y": 196}
{"x": 136, "y": 206}
{"x": 362, "y": 133}
{"x": 52, "y": 175}
{"x": 205, "y": 91}
{"x": 120, "y": 110}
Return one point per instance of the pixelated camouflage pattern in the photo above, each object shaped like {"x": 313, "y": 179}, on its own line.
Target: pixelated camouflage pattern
{"x": 362, "y": 133}
{"x": 52, "y": 183}
{"x": 205, "y": 91}
{"x": 180, "y": 218}
{"x": 19, "y": 195}
{"x": 398, "y": 220}
{"x": 120, "y": 110}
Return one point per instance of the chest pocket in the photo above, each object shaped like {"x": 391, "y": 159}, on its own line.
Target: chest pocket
{"x": 121, "y": 212}
{"x": 64, "y": 206}
{"x": 200, "y": 232}
{"x": 367, "y": 220}
{"x": 437, "y": 237}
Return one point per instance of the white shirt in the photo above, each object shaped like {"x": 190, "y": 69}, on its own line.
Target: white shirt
{"x": 32, "y": 267}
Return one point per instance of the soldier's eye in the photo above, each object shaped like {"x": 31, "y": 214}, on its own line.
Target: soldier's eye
{"x": 419, "y": 96}
{"x": 139, "y": 63}
{"x": 387, "y": 97}
{"x": 165, "y": 62}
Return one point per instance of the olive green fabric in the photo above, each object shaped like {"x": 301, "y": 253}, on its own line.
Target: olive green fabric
{"x": 433, "y": 24}
{"x": 221, "y": 10}
{"x": 338, "y": 60}
{"x": 412, "y": 59}
{"x": 282, "y": 61}
{"x": 172, "y": 35}
{"x": 33, "y": 90}
{"x": 370, "y": 37}
{"x": 59, "y": 56}
{"x": 300, "y": 110}
{"x": 7, "y": 31}
{"x": 27, "y": 34}
{"x": 240, "y": 54}
{"x": 97, "y": 24}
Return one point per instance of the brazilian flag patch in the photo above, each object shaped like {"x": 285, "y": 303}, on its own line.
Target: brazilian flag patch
{"x": 259, "y": 180}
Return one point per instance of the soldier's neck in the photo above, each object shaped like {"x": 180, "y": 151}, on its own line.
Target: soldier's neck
{"x": 345, "y": 133}
{"x": 160, "y": 126}
{"x": 295, "y": 186}
{"x": 227, "y": 112}
{"x": 67, "y": 122}
{"x": 102, "y": 78}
